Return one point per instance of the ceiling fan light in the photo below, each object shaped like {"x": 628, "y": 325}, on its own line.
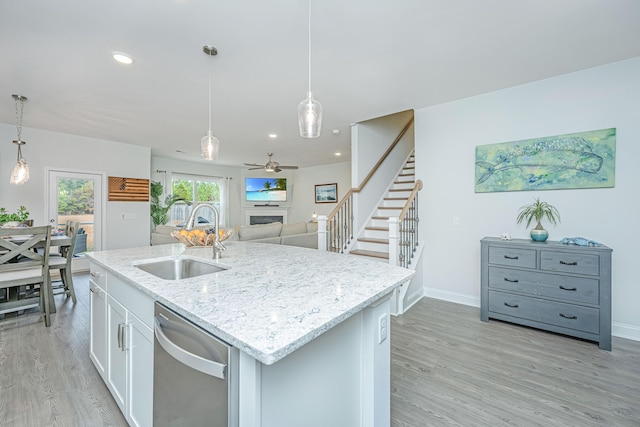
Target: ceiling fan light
{"x": 310, "y": 117}
{"x": 209, "y": 146}
{"x": 20, "y": 173}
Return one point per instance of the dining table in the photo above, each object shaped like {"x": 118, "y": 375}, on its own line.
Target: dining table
{"x": 61, "y": 241}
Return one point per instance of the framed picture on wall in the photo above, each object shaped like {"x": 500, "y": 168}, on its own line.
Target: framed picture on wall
{"x": 327, "y": 193}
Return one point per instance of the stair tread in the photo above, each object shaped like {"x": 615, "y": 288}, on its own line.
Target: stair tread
{"x": 373, "y": 240}
{"x": 395, "y": 198}
{"x": 374, "y": 254}
{"x": 401, "y": 189}
{"x": 377, "y": 228}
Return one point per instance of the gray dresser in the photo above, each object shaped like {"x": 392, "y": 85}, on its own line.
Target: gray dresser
{"x": 548, "y": 285}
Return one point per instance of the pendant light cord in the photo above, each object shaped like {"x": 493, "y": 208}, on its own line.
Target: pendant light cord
{"x": 309, "y": 38}
{"x": 210, "y": 73}
{"x": 19, "y": 116}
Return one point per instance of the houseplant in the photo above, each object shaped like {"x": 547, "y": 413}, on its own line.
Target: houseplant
{"x": 21, "y": 215}
{"x": 538, "y": 210}
{"x": 160, "y": 208}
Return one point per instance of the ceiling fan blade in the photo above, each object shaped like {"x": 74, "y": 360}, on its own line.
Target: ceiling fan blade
{"x": 288, "y": 167}
{"x": 259, "y": 167}
{"x": 253, "y": 164}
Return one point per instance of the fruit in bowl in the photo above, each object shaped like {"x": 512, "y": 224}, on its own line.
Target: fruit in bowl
{"x": 200, "y": 237}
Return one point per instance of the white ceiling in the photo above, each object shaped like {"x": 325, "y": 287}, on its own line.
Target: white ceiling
{"x": 370, "y": 58}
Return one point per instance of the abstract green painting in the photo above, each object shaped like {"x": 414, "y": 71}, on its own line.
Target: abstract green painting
{"x": 575, "y": 160}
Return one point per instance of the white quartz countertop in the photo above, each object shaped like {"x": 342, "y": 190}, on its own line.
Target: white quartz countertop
{"x": 272, "y": 299}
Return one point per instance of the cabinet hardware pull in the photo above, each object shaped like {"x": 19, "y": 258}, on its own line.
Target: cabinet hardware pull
{"x": 510, "y": 257}
{"x": 121, "y": 338}
{"x": 506, "y": 279}
{"x": 512, "y": 305}
{"x": 569, "y": 263}
{"x": 568, "y": 289}
{"x": 94, "y": 275}
{"x": 568, "y": 317}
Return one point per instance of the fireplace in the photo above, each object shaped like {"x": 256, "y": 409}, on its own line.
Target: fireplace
{"x": 265, "y": 219}
{"x": 265, "y": 216}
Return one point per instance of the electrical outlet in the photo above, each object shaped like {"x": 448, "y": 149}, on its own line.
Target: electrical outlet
{"x": 383, "y": 328}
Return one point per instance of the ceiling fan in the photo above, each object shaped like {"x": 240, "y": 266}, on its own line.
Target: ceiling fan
{"x": 270, "y": 166}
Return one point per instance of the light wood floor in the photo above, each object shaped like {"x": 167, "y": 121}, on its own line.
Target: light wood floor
{"x": 46, "y": 377}
{"x": 448, "y": 369}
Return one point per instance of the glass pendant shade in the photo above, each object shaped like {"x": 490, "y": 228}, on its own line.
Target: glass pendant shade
{"x": 20, "y": 173}
{"x": 310, "y": 117}
{"x": 210, "y": 146}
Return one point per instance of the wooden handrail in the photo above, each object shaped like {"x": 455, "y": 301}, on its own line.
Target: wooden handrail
{"x": 373, "y": 170}
{"x": 384, "y": 156}
{"x": 417, "y": 187}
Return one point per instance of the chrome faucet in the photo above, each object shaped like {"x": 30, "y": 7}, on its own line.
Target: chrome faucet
{"x": 218, "y": 247}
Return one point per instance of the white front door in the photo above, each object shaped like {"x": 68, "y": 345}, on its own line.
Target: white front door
{"x": 77, "y": 196}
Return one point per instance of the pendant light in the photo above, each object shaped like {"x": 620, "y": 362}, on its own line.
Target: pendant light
{"x": 20, "y": 173}
{"x": 209, "y": 143}
{"x": 310, "y": 110}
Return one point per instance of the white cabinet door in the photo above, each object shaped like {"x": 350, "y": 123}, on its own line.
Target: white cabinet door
{"x": 98, "y": 336}
{"x": 117, "y": 368}
{"x": 140, "y": 407}
{"x": 122, "y": 344}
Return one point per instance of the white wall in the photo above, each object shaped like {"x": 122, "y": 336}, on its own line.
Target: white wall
{"x": 446, "y": 137}
{"x": 56, "y": 150}
{"x": 304, "y": 189}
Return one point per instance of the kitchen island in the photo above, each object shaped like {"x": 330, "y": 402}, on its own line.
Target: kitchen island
{"x": 311, "y": 328}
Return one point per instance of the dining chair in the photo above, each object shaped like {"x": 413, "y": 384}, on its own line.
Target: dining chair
{"x": 21, "y": 264}
{"x": 62, "y": 262}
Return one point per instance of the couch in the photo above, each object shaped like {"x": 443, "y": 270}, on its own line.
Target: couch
{"x": 304, "y": 234}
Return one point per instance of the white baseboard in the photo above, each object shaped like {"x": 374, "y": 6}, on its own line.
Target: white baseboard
{"x": 452, "y": 297}
{"x": 629, "y": 332}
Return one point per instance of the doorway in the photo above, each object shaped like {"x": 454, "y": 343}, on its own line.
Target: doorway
{"x": 77, "y": 196}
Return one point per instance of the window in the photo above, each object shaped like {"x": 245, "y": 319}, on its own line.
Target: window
{"x": 197, "y": 190}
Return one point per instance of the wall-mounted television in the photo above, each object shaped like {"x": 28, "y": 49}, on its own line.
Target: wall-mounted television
{"x": 266, "y": 190}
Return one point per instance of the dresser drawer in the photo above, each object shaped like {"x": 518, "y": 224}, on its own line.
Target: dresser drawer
{"x": 514, "y": 257}
{"x": 569, "y": 316}
{"x": 554, "y": 286}
{"x": 576, "y": 263}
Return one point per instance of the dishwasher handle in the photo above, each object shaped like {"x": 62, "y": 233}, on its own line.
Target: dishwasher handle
{"x": 209, "y": 367}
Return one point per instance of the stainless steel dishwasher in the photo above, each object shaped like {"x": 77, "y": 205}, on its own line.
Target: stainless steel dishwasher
{"x": 194, "y": 375}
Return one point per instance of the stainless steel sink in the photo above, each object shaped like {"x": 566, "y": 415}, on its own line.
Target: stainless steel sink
{"x": 179, "y": 268}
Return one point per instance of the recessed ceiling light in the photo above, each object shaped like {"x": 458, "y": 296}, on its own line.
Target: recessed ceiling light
{"x": 273, "y": 135}
{"x": 123, "y": 58}
{"x": 338, "y": 154}
{"x": 336, "y": 131}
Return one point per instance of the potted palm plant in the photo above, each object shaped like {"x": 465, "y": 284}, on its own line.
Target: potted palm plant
{"x": 160, "y": 209}
{"x": 538, "y": 210}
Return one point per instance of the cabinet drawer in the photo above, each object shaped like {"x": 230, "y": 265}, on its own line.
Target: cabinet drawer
{"x": 98, "y": 275}
{"x": 577, "y": 263}
{"x": 514, "y": 257}
{"x": 566, "y": 288}
{"x": 134, "y": 300}
{"x": 550, "y": 312}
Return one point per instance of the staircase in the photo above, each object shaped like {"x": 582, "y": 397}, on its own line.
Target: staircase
{"x": 373, "y": 241}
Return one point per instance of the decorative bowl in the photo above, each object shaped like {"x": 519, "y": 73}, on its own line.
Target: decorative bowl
{"x": 200, "y": 237}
